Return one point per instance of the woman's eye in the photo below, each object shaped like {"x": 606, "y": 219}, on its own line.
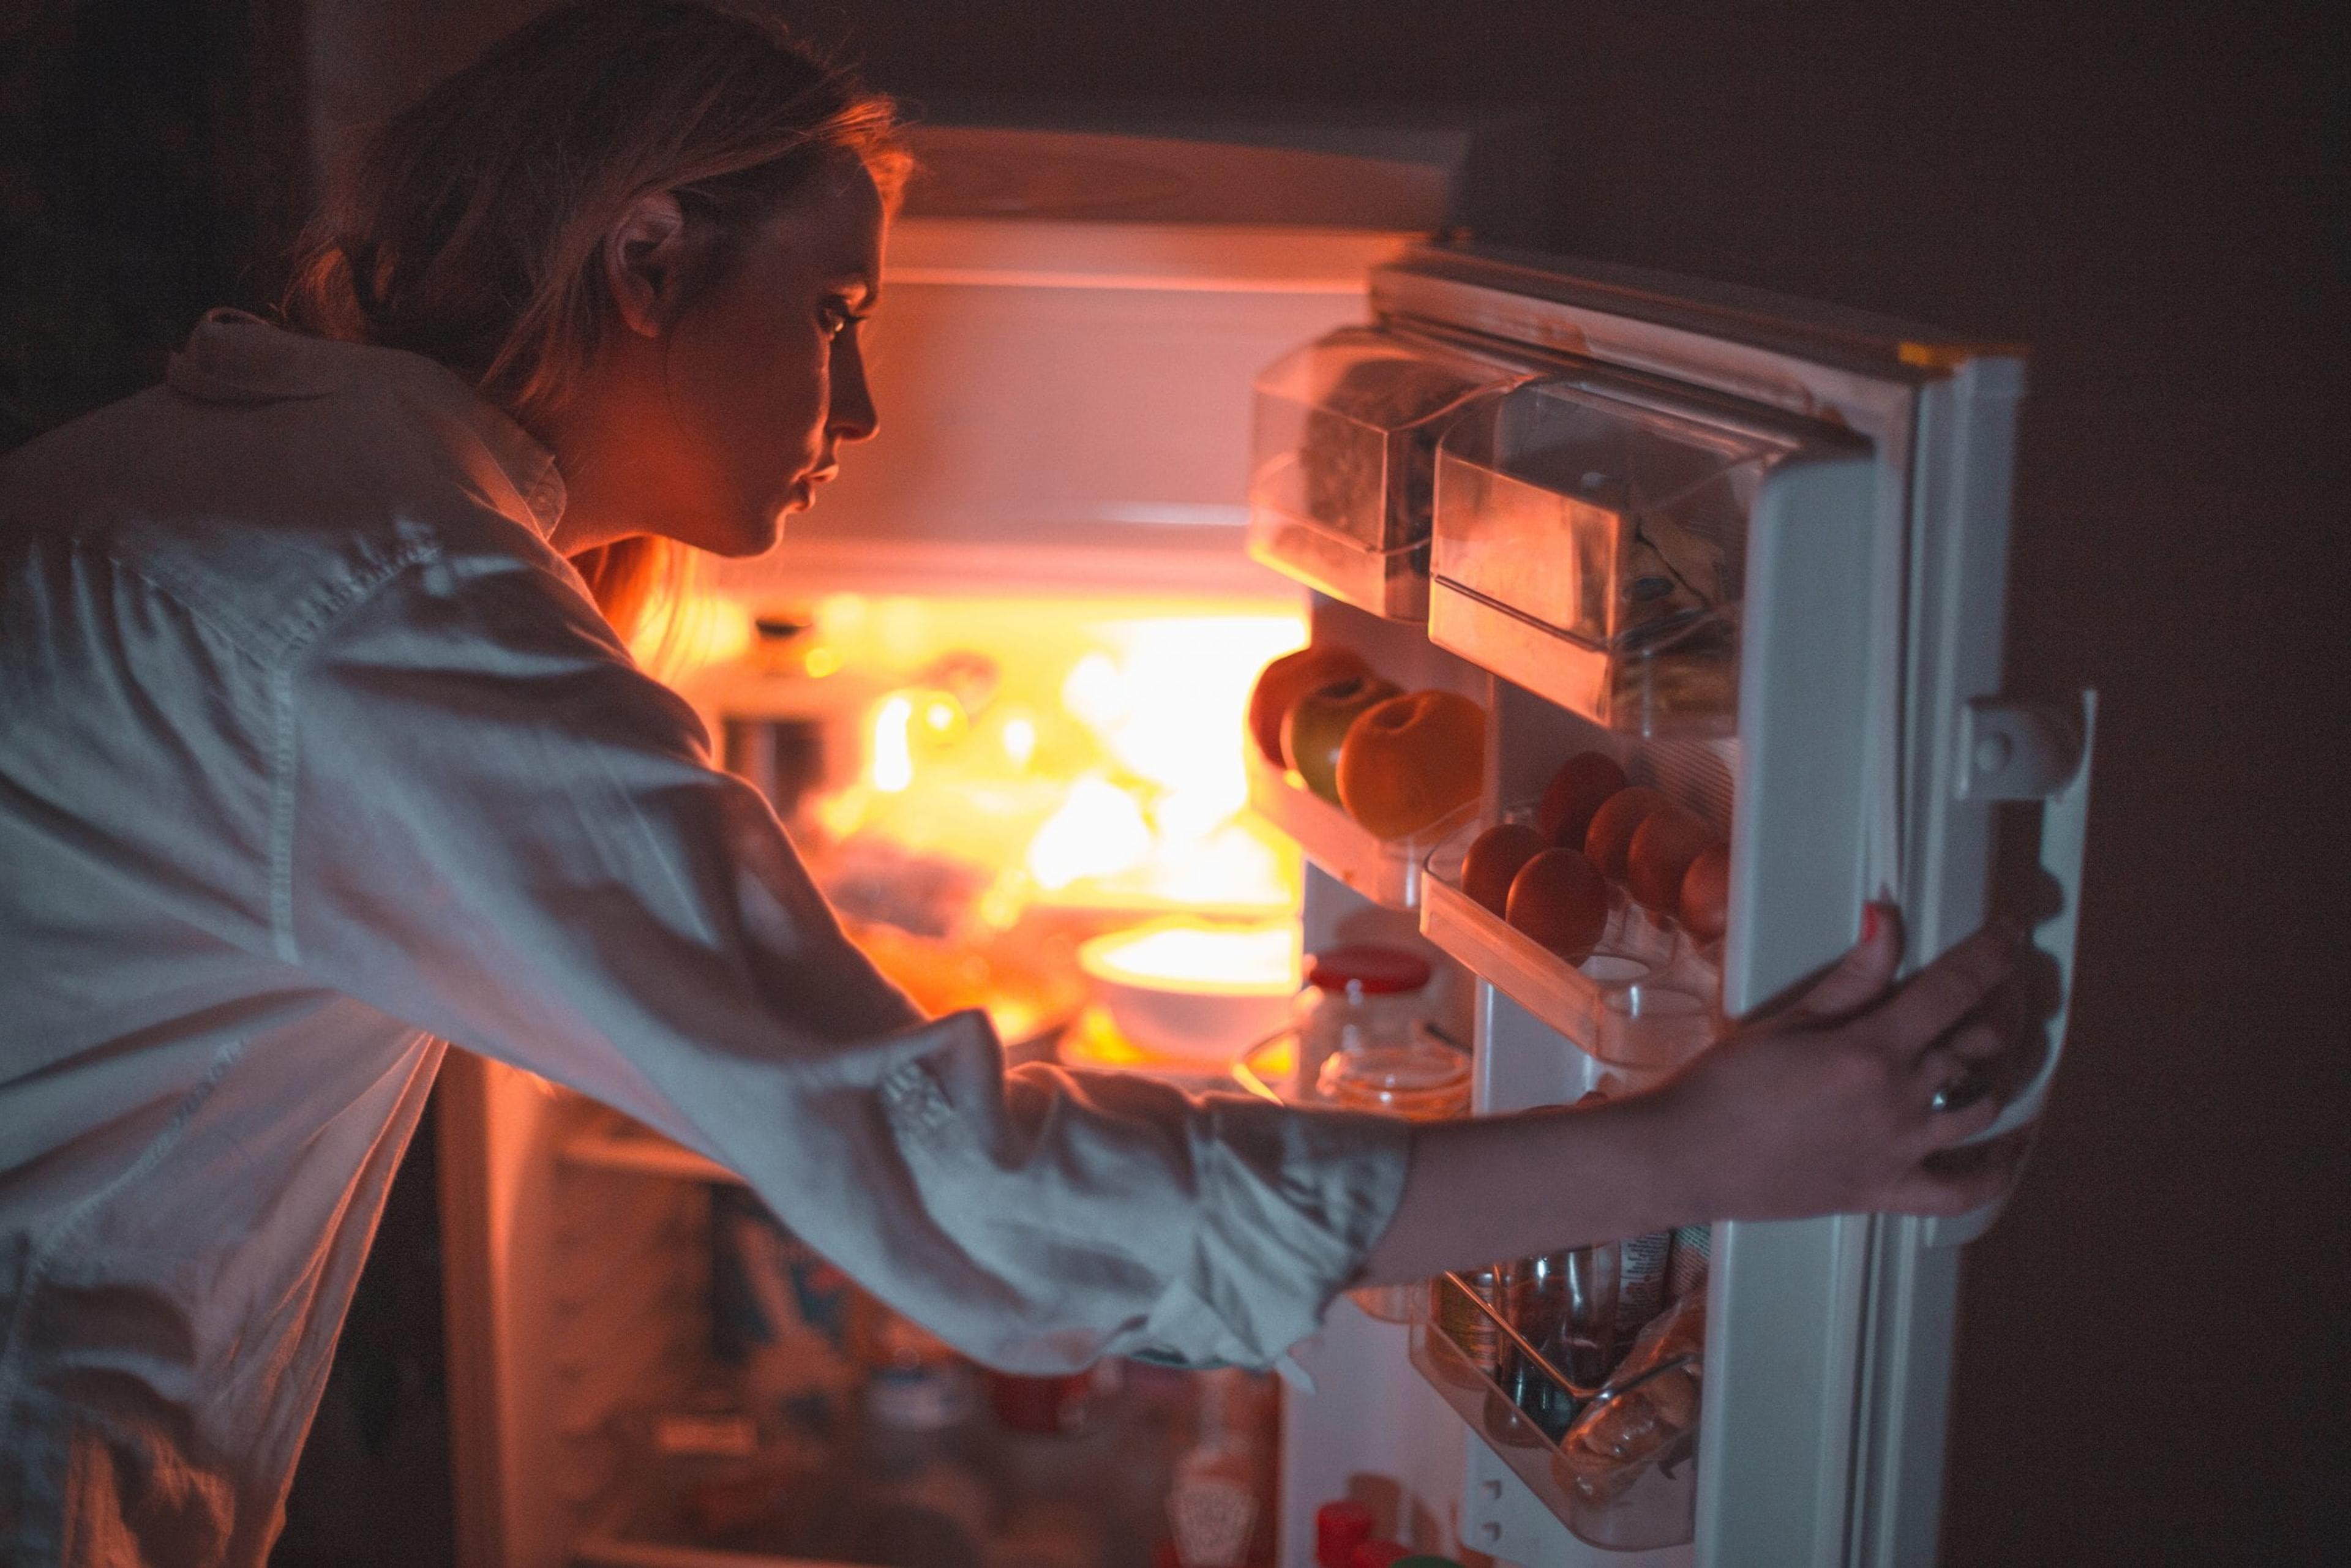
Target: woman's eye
{"x": 836, "y": 317}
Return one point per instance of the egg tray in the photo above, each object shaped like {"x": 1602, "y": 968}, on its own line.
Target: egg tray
{"x": 1386, "y": 871}
{"x": 1645, "y": 999}
{"x": 1658, "y": 1508}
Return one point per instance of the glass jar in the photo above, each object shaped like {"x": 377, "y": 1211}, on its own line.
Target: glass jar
{"x": 1357, "y": 998}
{"x": 1364, "y": 1044}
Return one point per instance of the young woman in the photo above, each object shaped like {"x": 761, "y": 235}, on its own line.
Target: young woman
{"x": 318, "y": 751}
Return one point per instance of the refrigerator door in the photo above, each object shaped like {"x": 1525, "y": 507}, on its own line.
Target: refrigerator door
{"x": 1873, "y": 620}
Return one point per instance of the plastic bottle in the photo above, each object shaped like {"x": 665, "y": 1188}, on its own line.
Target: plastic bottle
{"x": 1565, "y": 1305}
{"x": 1643, "y": 1265}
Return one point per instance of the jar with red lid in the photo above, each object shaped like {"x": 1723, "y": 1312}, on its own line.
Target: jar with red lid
{"x": 1357, "y": 998}
{"x": 1365, "y": 1044}
{"x": 1364, "y": 1041}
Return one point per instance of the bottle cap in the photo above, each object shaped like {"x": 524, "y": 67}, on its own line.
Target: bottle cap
{"x": 1379, "y": 1554}
{"x": 1379, "y": 971}
{"x": 1338, "y": 1528}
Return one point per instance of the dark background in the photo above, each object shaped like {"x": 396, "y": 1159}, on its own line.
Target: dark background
{"x": 2150, "y": 1366}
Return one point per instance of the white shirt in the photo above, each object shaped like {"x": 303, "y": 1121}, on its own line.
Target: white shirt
{"x": 312, "y": 754}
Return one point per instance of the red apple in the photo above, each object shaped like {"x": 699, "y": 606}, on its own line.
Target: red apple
{"x": 1663, "y": 847}
{"x": 1583, "y": 784}
{"x": 1610, "y": 838}
{"x": 1706, "y": 893}
{"x": 1411, "y": 762}
{"x": 1281, "y": 683}
{"x": 1558, "y": 899}
{"x": 1316, "y": 727}
{"x": 1494, "y": 859}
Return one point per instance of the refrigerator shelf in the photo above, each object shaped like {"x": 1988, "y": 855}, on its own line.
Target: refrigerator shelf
{"x": 1386, "y": 871}
{"x": 1645, "y": 999}
{"x": 1593, "y": 549}
{"x": 1392, "y": 584}
{"x": 1657, "y": 1508}
{"x": 1342, "y": 462}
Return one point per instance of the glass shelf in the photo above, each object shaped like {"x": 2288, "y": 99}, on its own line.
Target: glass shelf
{"x": 1386, "y": 871}
{"x": 1466, "y": 1349}
{"x": 1644, "y": 1000}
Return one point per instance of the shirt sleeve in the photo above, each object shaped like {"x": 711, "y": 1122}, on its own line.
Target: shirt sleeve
{"x": 497, "y": 829}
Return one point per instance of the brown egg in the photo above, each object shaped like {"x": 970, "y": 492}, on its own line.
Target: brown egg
{"x": 1610, "y": 838}
{"x": 1583, "y": 784}
{"x": 1663, "y": 847}
{"x": 1559, "y": 901}
{"x": 1706, "y": 893}
{"x": 1494, "y": 859}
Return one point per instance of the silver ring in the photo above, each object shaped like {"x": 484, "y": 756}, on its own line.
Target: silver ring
{"x": 1958, "y": 1091}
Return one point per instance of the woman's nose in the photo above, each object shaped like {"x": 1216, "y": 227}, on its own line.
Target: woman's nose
{"x": 851, "y": 415}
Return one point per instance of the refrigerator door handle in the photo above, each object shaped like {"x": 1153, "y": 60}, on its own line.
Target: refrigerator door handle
{"x": 2010, "y": 751}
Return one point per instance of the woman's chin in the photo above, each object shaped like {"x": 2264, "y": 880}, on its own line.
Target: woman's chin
{"x": 745, "y": 535}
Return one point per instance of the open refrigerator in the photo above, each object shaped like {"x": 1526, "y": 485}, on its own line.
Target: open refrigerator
{"x": 1754, "y": 552}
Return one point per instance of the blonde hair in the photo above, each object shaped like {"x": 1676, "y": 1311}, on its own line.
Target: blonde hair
{"x": 471, "y": 228}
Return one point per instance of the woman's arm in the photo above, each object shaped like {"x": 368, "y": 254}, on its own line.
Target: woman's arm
{"x": 1825, "y": 1108}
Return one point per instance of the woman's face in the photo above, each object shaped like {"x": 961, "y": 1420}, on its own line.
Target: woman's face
{"x": 742, "y": 400}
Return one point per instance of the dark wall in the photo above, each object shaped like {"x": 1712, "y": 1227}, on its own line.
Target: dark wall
{"x": 152, "y": 166}
{"x": 2149, "y": 1364}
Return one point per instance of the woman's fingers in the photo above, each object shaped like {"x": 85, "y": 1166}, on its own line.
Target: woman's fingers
{"x": 1956, "y": 1063}
{"x": 1961, "y": 1184}
{"x": 1947, "y": 1129}
{"x": 1862, "y": 976}
{"x": 1938, "y": 997}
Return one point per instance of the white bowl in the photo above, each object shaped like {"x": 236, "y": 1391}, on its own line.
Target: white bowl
{"x": 1194, "y": 991}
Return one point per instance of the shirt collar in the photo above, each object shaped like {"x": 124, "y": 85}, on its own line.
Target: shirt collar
{"x": 235, "y": 357}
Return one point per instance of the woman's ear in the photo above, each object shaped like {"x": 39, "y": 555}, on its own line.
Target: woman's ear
{"x": 645, "y": 262}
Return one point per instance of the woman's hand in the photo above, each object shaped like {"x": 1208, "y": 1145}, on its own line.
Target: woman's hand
{"x": 1831, "y": 1106}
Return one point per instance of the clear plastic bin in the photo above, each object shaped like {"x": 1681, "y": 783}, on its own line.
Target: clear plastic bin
{"x": 1465, "y": 1348}
{"x": 1386, "y": 871}
{"x": 1593, "y": 550}
{"x": 1645, "y": 999}
{"x": 1343, "y": 462}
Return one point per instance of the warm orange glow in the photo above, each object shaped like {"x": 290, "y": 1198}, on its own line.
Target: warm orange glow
{"x": 1084, "y": 753}
{"x": 1177, "y": 956}
{"x": 892, "y": 766}
{"x": 1042, "y": 760}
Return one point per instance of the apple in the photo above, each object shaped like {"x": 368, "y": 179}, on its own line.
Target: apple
{"x": 1663, "y": 847}
{"x": 1494, "y": 859}
{"x": 1706, "y": 893}
{"x": 1610, "y": 838}
{"x": 1561, "y": 900}
{"x": 1281, "y": 683}
{"x": 1412, "y": 760}
{"x": 1316, "y": 725}
{"x": 1583, "y": 784}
